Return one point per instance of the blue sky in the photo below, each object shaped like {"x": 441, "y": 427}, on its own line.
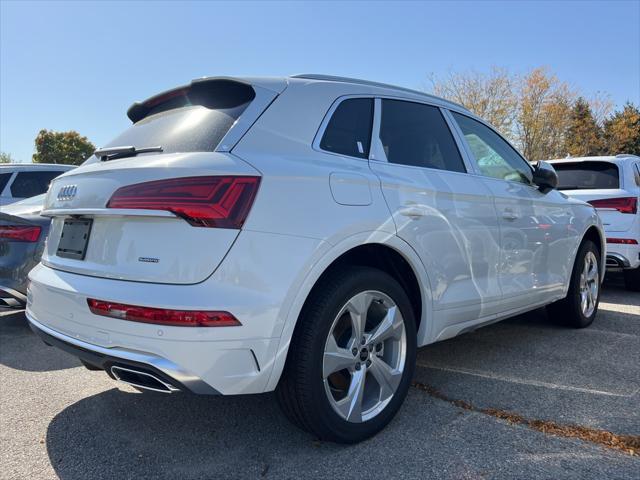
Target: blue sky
{"x": 79, "y": 65}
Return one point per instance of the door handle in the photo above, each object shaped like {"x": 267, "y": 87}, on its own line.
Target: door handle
{"x": 509, "y": 214}
{"x": 413, "y": 212}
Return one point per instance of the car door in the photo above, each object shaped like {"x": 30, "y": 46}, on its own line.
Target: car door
{"x": 534, "y": 227}
{"x": 446, "y": 215}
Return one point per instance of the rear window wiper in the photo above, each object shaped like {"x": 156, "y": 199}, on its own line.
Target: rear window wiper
{"x": 112, "y": 153}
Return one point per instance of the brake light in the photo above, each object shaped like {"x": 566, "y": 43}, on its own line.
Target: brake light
{"x": 623, "y": 241}
{"x": 20, "y": 233}
{"x": 622, "y": 205}
{"x": 213, "y": 201}
{"x": 162, "y": 316}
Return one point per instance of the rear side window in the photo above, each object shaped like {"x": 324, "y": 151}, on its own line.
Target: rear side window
{"x": 587, "y": 175}
{"x": 417, "y": 135}
{"x": 4, "y": 179}
{"x": 349, "y": 130}
{"x": 28, "y": 184}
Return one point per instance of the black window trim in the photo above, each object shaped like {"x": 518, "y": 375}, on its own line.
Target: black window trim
{"x": 469, "y": 153}
{"x": 375, "y": 134}
{"x": 327, "y": 118}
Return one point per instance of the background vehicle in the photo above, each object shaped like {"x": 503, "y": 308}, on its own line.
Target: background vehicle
{"x": 303, "y": 234}
{"x": 612, "y": 185}
{"x": 25, "y": 180}
{"x": 23, "y": 233}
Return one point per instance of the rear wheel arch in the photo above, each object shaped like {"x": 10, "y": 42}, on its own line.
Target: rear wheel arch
{"x": 375, "y": 244}
{"x": 596, "y": 237}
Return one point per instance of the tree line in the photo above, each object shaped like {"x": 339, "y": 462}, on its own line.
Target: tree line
{"x": 542, "y": 115}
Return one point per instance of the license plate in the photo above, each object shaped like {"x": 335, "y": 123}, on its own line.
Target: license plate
{"x": 74, "y": 239}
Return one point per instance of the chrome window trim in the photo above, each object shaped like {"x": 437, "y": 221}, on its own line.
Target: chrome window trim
{"x": 315, "y": 145}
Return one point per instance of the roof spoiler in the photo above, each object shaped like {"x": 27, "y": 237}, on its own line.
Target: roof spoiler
{"x": 211, "y": 92}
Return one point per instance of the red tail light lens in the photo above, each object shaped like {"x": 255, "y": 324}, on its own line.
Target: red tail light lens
{"x": 623, "y": 241}
{"x": 216, "y": 201}
{"x": 623, "y": 205}
{"x": 20, "y": 233}
{"x": 162, "y": 316}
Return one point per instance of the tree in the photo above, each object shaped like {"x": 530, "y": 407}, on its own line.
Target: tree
{"x": 6, "y": 158}
{"x": 62, "y": 147}
{"x": 544, "y": 106}
{"x": 583, "y": 136}
{"x": 491, "y": 95}
{"x": 622, "y": 131}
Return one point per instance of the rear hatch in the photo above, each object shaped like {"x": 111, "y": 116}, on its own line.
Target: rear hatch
{"x": 593, "y": 181}
{"x": 165, "y": 216}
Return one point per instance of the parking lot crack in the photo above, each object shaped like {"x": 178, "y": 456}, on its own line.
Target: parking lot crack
{"x": 629, "y": 444}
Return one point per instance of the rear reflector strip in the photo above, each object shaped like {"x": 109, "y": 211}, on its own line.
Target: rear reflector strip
{"x": 622, "y": 205}
{"x": 20, "y": 233}
{"x": 162, "y": 316}
{"x": 624, "y": 241}
{"x": 211, "y": 201}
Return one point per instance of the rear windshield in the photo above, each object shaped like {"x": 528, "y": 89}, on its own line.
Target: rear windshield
{"x": 186, "y": 120}
{"x": 4, "y": 179}
{"x": 587, "y": 175}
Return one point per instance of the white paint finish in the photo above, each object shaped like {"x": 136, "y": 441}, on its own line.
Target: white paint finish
{"x": 311, "y": 208}
{"x": 120, "y": 237}
{"x": 450, "y": 220}
{"x": 350, "y": 189}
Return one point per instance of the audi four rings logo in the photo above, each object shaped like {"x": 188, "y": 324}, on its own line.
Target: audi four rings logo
{"x": 67, "y": 192}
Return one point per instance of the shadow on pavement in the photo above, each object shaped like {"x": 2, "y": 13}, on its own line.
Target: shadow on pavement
{"x": 18, "y": 345}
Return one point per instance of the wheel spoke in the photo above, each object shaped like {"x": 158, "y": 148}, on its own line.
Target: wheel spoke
{"x": 335, "y": 358}
{"x": 351, "y": 405}
{"x": 390, "y": 326}
{"x": 387, "y": 378}
{"x": 358, "y": 307}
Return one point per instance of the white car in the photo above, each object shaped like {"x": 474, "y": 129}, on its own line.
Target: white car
{"x": 612, "y": 185}
{"x": 25, "y": 180}
{"x": 305, "y": 235}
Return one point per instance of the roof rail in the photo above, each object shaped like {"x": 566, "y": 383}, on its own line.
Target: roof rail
{"x": 334, "y": 78}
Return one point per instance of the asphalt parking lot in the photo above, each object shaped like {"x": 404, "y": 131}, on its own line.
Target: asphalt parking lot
{"x": 473, "y": 412}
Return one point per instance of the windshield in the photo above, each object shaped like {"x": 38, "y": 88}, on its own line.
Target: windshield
{"x": 587, "y": 175}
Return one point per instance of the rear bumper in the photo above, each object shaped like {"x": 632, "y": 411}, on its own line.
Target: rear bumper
{"x": 623, "y": 256}
{"x": 106, "y": 358}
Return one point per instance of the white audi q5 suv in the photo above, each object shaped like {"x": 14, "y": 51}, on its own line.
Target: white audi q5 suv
{"x": 303, "y": 235}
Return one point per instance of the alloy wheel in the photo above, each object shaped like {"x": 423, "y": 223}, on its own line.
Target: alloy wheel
{"x": 364, "y": 356}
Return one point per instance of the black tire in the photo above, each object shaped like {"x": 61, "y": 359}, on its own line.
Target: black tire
{"x": 632, "y": 279}
{"x": 301, "y": 391}
{"x": 568, "y": 311}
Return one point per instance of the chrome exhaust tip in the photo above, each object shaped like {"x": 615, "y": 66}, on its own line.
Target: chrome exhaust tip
{"x": 141, "y": 379}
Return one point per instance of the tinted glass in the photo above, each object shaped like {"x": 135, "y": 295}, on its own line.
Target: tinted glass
{"x": 28, "y": 184}
{"x": 586, "y": 175}
{"x": 349, "y": 130}
{"x": 4, "y": 178}
{"x": 493, "y": 155}
{"x": 186, "y": 129}
{"x": 417, "y": 135}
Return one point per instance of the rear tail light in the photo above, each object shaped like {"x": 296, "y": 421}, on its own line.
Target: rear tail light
{"x": 622, "y": 205}
{"x": 20, "y": 233}
{"x": 162, "y": 316}
{"x": 623, "y": 241}
{"x": 214, "y": 201}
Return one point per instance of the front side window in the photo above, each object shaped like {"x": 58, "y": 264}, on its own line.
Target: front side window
{"x": 417, "y": 135}
{"x": 28, "y": 184}
{"x": 349, "y": 130}
{"x": 494, "y": 156}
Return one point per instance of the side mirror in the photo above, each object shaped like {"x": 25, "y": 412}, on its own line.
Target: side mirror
{"x": 545, "y": 177}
